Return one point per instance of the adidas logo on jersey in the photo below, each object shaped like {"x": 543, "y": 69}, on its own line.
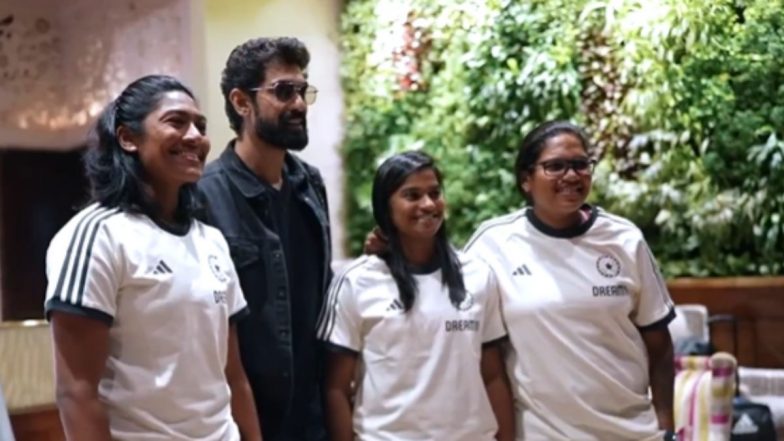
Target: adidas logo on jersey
{"x": 396, "y": 305}
{"x": 162, "y": 268}
{"x": 744, "y": 426}
{"x": 522, "y": 270}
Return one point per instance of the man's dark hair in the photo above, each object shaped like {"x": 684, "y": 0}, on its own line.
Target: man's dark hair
{"x": 390, "y": 176}
{"x": 247, "y": 66}
{"x": 116, "y": 176}
{"x": 534, "y": 142}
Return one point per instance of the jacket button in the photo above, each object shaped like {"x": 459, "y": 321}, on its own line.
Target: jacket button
{"x": 281, "y": 294}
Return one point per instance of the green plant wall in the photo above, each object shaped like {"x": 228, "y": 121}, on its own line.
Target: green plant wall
{"x": 684, "y": 100}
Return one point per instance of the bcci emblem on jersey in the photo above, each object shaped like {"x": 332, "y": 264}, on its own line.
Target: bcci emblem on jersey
{"x": 608, "y": 266}
{"x": 217, "y": 269}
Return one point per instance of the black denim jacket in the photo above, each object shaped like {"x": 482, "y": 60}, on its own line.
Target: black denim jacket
{"x": 238, "y": 204}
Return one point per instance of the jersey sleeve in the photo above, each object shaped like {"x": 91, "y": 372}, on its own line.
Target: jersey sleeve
{"x": 482, "y": 246}
{"x": 478, "y": 245}
{"x": 494, "y": 328}
{"x": 238, "y": 306}
{"x": 339, "y": 324}
{"x": 654, "y": 305}
{"x": 83, "y": 270}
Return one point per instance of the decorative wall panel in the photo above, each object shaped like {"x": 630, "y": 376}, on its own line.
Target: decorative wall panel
{"x": 61, "y": 62}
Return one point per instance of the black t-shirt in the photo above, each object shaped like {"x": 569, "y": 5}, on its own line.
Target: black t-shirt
{"x": 298, "y": 230}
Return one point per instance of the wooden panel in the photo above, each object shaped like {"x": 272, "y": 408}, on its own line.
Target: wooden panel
{"x": 757, "y": 303}
{"x": 37, "y": 424}
{"x": 26, "y": 364}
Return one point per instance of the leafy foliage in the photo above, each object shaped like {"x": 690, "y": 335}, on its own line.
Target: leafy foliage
{"x": 684, "y": 100}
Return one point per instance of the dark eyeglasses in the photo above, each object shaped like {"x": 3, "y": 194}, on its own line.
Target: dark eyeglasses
{"x": 555, "y": 168}
{"x": 285, "y": 91}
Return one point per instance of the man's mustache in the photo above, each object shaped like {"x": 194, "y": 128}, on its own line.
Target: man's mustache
{"x": 286, "y": 117}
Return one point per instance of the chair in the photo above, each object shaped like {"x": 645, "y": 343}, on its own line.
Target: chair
{"x": 704, "y": 388}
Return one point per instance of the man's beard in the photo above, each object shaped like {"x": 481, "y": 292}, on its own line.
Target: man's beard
{"x": 280, "y": 134}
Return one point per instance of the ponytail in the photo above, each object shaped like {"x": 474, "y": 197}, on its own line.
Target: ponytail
{"x": 116, "y": 176}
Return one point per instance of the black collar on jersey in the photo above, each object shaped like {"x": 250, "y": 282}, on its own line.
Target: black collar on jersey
{"x": 563, "y": 233}
{"x": 246, "y": 180}
{"x": 430, "y": 267}
{"x": 178, "y": 229}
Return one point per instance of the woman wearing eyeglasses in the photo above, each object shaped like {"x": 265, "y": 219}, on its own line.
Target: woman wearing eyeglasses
{"x": 583, "y": 301}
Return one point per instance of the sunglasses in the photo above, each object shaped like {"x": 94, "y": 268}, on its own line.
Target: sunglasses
{"x": 285, "y": 91}
{"x": 555, "y": 168}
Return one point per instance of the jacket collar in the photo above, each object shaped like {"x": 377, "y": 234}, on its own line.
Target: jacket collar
{"x": 246, "y": 180}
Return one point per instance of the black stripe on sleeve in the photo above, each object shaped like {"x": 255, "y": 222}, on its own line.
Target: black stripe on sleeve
{"x": 55, "y": 304}
{"x": 661, "y": 323}
{"x": 332, "y": 347}
{"x": 239, "y": 315}
{"x": 328, "y": 307}
{"x": 325, "y": 328}
{"x": 75, "y": 256}
{"x": 88, "y": 255}
{"x": 65, "y": 268}
{"x": 495, "y": 342}
{"x": 326, "y": 321}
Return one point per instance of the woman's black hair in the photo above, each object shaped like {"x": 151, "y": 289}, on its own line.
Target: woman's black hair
{"x": 534, "y": 142}
{"x": 116, "y": 176}
{"x": 390, "y": 176}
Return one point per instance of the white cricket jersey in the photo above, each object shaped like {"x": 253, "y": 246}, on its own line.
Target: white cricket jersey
{"x": 168, "y": 299}
{"x": 420, "y": 376}
{"x": 574, "y": 302}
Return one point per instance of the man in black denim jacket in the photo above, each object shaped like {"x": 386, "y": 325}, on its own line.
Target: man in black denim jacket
{"x": 272, "y": 208}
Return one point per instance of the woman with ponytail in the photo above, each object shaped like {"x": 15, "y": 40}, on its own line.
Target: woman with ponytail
{"x": 420, "y": 322}
{"x": 141, "y": 296}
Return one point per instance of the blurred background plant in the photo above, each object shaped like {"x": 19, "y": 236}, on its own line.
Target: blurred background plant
{"x": 683, "y": 99}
